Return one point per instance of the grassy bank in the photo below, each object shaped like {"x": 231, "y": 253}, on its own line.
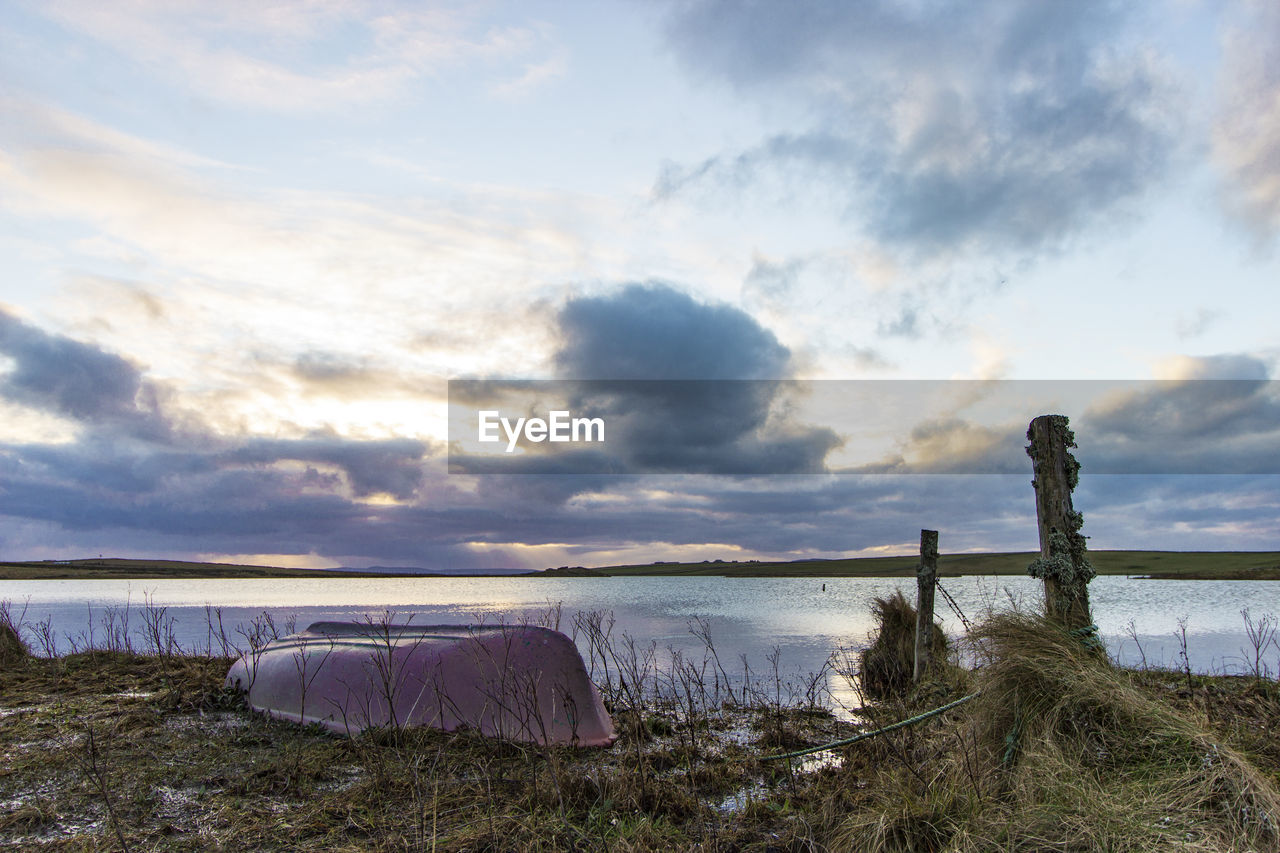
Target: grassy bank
{"x": 109, "y": 749}
{"x": 1184, "y": 565}
{"x": 119, "y": 568}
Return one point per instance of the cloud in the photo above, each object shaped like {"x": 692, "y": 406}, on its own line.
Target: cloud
{"x": 772, "y": 281}
{"x": 338, "y": 375}
{"x": 657, "y": 332}
{"x": 1179, "y": 512}
{"x": 1223, "y": 366}
{"x": 278, "y": 268}
{"x": 44, "y": 125}
{"x": 329, "y": 370}
{"x": 978, "y": 427}
{"x": 128, "y": 468}
{"x": 866, "y": 358}
{"x": 65, "y": 377}
{"x": 803, "y": 291}
{"x": 1246, "y": 136}
{"x": 1198, "y": 322}
{"x": 1190, "y": 424}
{"x": 983, "y": 125}
{"x": 201, "y": 494}
{"x": 534, "y": 76}
{"x": 391, "y": 466}
{"x": 906, "y": 324}
{"x": 307, "y": 57}
{"x": 954, "y": 445}
{"x": 119, "y": 488}
{"x": 682, "y": 385}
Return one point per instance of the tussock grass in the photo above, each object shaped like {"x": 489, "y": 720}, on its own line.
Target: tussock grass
{"x": 888, "y": 664}
{"x": 12, "y": 649}
{"x": 1063, "y": 752}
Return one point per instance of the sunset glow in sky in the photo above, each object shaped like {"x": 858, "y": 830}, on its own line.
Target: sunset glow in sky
{"x": 247, "y": 244}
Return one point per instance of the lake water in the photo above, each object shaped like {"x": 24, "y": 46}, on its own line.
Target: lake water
{"x": 746, "y": 616}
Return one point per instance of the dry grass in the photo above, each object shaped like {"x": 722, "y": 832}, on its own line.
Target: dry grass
{"x": 13, "y": 651}
{"x": 113, "y": 750}
{"x": 888, "y": 664}
{"x": 13, "y": 648}
{"x": 1063, "y": 752}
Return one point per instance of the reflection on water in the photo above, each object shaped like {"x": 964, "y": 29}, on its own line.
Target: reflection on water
{"x": 748, "y": 617}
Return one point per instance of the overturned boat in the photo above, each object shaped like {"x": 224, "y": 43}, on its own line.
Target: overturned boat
{"x": 523, "y": 683}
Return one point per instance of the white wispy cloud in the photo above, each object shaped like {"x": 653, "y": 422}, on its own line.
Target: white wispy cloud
{"x": 300, "y": 56}
{"x": 1246, "y": 138}
{"x": 215, "y": 268}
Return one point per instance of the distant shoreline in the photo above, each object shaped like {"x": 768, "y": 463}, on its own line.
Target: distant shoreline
{"x": 1181, "y": 565}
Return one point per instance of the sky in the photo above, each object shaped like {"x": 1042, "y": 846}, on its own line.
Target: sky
{"x": 248, "y": 246}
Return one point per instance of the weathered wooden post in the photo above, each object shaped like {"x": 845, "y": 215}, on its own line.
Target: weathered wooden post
{"x": 926, "y": 579}
{"x": 1062, "y": 565}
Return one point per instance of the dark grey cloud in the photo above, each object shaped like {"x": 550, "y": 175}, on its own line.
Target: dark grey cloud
{"x": 97, "y": 483}
{"x": 66, "y": 377}
{"x": 1190, "y": 426}
{"x": 194, "y": 498}
{"x": 683, "y": 386}
{"x": 130, "y": 477}
{"x": 988, "y": 124}
{"x": 120, "y": 490}
{"x": 792, "y": 514}
{"x": 391, "y": 466}
{"x": 653, "y": 331}
{"x": 107, "y": 464}
{"x": 750, "y": 427}
{"x": 1180, "y": 512}
{"x": 1195, "y": 426}
{"x": 1216, "y": 410}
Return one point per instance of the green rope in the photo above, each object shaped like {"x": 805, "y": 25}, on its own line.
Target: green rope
{"x": 1088, "y": 636}
{"x": 898, "y": 725}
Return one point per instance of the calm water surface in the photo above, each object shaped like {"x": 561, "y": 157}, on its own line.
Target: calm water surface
{"x": 747, "y": 616}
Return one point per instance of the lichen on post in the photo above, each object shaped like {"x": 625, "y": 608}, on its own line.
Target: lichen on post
{"x": 1062, "y": 564}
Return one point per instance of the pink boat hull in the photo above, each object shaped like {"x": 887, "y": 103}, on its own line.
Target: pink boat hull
{"x": 520, "y": 683}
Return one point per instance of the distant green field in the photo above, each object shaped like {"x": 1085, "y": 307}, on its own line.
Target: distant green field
{"x": 127, "y": 569}
{"x": 1224, "y": 565}
{"x": 1217, "y": 565}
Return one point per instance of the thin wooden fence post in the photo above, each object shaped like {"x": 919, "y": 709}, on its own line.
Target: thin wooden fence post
{"x": 926, "y": 580}
{"x": 1062, "y": 564}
